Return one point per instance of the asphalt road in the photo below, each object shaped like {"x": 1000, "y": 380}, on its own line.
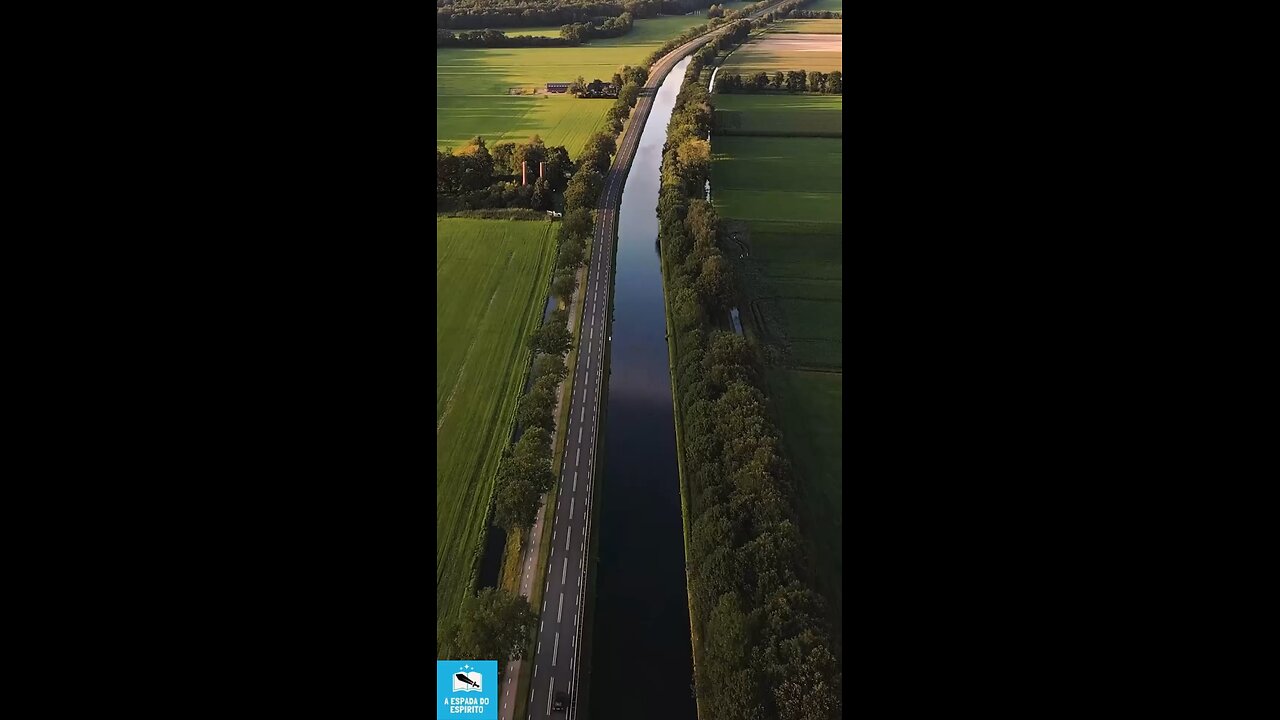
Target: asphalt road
{"x": 555, "y": 660}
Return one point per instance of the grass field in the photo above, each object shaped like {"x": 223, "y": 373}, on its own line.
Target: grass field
{"x": 832, "y": 5}
{"x": 472, "y": 86}
{"x": 787, "y": 115}
{"x": 773, "y": 51}
{"x": 773, "y": 178}
{"x": 545, "y": 31}
{"x": 491, "y": 284}
{"x": 805, "y": 25}
{"x": 808, "y": 405}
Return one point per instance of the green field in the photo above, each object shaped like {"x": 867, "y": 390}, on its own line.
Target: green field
{"x": 544, "y": 31}
{"x": 773, "y": 178}
{"x": 491, "y": 288}
{"x": 832, "y": 5}
{"x": 809, "y": 407}
{"x": 781, "y": 49}
{"x": 787, "y": 115}
{"x": 473, "y": 86}
{"x": 805, "y": 25}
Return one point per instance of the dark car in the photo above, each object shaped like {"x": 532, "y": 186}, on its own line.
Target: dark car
{"x": 561, "y": 701}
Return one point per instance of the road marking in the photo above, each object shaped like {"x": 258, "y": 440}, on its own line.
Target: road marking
{"x": 543, "y": 625}
{"x": 544, "y": 600}
{"x": 560, "y": 609}
{"x": 578, "y": 458}
{"x": 550, "y": 691}
{"x": 539, "y": 650}
{"x": 553, "y": 534}
{"x": 571, "y": 501}
{"x": 567, "y": 534}
{"x": 575, "y": 481}
{"x": 563, "y": 568}
{"x": 535, "y": 670}
{"x": 555, "y": 650}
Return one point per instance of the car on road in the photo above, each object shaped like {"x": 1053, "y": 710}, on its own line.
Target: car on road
{"x": 560, "y": 702}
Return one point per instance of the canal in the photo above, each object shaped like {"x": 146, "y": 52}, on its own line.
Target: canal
{"x": 642, "y": 663}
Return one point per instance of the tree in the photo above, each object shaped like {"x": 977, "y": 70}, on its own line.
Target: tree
{"x": 715, "y": 283}
{"x": 553, "y": 337}
{"x": 778, "y": 81}
{"x": 584, "y": 190}
{"x": 604, "y": 141}
{"x": 448, "y": 173}
{"x": 493, "y": 624}
{"x": 795, "y": 81}
{"x": 541, "y": 199}
{"x": 629, "y": 94}
{"x": 571, "y": 253}
{"x": 576, "y": 224}
{"x": 502, "y": 155}
{"x": 577, "y": 86}
{"x": 816, "y": 79}
{"x": 685, "y": 309}
{"x": 695, "y": 162}
{"x": 533, "y": 450}
{"x": 533, "y": 151}
{"x": 760, "y": 80}
{"x": 835, "y": 83}
{"x": 536, "y": 409}
{"x": 565, "y": 282}
{"x": 549, "y": 366}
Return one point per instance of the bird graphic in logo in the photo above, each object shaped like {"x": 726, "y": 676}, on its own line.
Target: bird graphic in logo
{"x": 467, "y": 681}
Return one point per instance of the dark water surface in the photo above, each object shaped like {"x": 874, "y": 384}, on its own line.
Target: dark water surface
{"x": 642, "y": 664}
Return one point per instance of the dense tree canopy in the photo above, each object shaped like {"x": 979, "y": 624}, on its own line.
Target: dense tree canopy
{"x": 493, "y": 624}
{"x": 760, "y": 624}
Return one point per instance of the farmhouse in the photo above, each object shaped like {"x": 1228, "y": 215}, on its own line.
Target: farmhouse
{"x": 598, "y": 89}
{"x": 558, "y": 87}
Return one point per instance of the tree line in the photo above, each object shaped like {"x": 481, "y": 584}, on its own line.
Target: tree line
{"x": 764, "y": 648}
{"x": 476, "y": 178}
{"x": 792, "y": 81}
{"x": 570, "y": 35}
{"x": 497, "y": 38}
{"x": 468, "y": 15}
